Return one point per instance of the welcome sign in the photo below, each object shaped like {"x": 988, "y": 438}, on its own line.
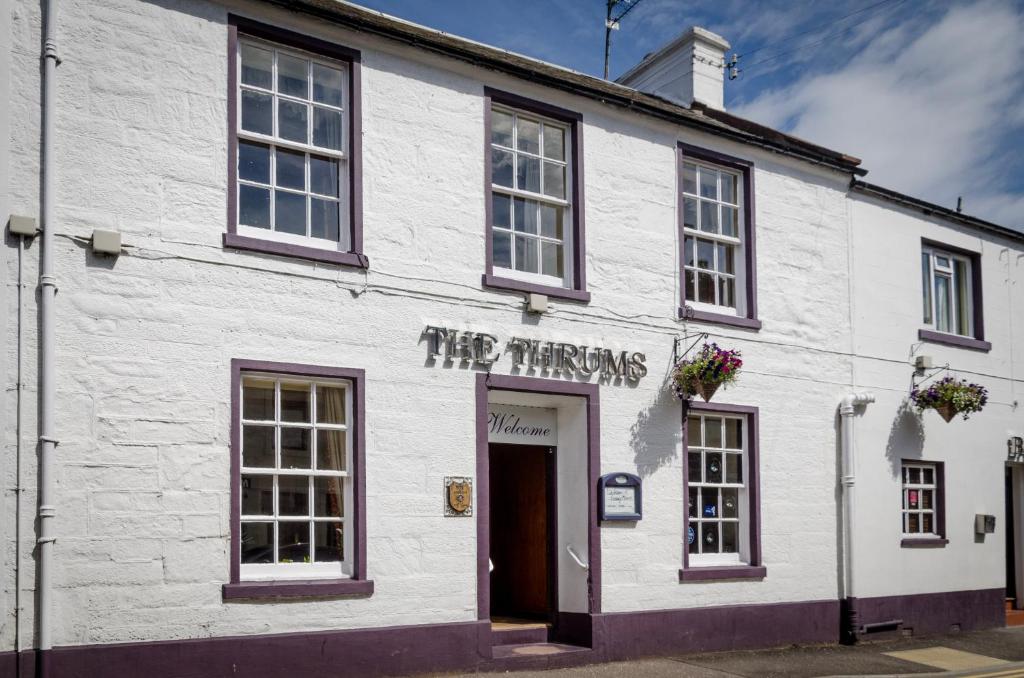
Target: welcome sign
{"x": 522, "y": 425}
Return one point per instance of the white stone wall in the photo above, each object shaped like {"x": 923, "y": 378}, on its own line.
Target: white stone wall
{"x": 887, "y": 308}
{"x": 144, "y": 342}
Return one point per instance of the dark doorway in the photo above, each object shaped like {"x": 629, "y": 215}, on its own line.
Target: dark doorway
{"x": 522, "y": 532}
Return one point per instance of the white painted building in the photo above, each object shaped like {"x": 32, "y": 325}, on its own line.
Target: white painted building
{"x": 288, "y": 410}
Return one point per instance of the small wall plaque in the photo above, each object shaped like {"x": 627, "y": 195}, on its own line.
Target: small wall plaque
{"x": 458, "y": 496}
{"x": 620, "y": 497}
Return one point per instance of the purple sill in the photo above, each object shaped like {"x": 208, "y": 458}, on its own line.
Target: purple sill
{"x": 688, "y": 313}
{"x": 499, "y": 283}
{"x": 723, "y": 572}
{"x": 242, "y": 242}
{"x": 923, "y": 543}
{"x": 299, "y": 588}
{"x": 954, "y": 340}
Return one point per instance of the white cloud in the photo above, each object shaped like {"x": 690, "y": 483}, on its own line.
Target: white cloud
{"x": 932, "y": 113}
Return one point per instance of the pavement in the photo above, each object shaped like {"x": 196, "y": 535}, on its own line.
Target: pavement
{"x": 995, "y": 653}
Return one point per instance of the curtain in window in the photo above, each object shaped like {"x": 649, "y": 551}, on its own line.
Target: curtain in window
{"x": 333, "y": 457}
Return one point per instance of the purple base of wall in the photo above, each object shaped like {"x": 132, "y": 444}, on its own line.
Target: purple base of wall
{"x": 399, "y": 650}
{"x": 927, "y": 613}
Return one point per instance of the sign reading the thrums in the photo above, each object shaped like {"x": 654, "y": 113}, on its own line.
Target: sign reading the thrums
{"x": 483, "y": 349}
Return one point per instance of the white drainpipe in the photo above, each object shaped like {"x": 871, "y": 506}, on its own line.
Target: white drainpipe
{"x": 847, "y": 409}
{"x": 47, "y": 362}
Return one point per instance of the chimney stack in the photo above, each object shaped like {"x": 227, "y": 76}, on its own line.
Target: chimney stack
{"x": 690, "y": 68}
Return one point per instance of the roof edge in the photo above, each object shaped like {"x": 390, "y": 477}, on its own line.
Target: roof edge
{"x": 933, "y": 209}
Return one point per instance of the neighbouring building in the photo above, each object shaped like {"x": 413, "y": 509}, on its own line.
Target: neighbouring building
{"x": 338, "y": 345}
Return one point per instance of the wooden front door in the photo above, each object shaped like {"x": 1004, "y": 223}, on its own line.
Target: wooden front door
{"x": 522, "y": 528}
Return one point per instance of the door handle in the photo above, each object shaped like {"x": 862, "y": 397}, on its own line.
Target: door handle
{"x": 575, "y": 556}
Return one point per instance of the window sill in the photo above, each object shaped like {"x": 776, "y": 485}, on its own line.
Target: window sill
{"x": 689, "y": 313}
{"x": 723, "y": 572}
{"x": 243, "y": 242}
{"x": 299, "y": 588}
{"x": 954, "y": 340}
{"x": 499, "y": 283}
{"x": 925, "y": 543}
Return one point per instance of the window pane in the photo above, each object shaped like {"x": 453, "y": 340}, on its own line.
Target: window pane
{"x": 328, "y": 494}
{"x": 708, "y": 183}
{"x": 501, "y": 128}
{"x": 257, "y": 66}
{"x": 295, "y": 402}
{"x": 331, "y": 450}
{"x": 551, "y": 221}
{"x": 323, "y": 175}
{"x": 734, "y": 433}
{"x": 943, "y": 304}
{"x": 258, "y": 399}
{"x": 528, "y": 173}
{"x": 689, "y": 178}
{"x": 926, "y": 285}
{"x": 257, "y": 542}
{"x": 709, "y": 502}
{"x": 326, "y": 128}
{"x": 501, "y": 168}
{"x": 528, "y": 135}
{"x": 330, "y": 542}
{"x": 524, "y": 215}
{"x": 706, "y": 288}
{"x": 728, "y": 187}
{"x": 963, "y": 309}
{"x": 254, "y": 206}
{"x": 554, "y": 142}
{"x": 725, "y": 258}
{"x": 330, "y": 405}
{"x": 289, "y": 213}
{"x": 913, "y": 523}
{"x": 291, "y": 169}
{"x": 292, "y": 121}
{"x": 526, "y": 255}
{"x": 712, "y": 467}
{"x": 712, "y": 432}
{"x": 926, "y": 523}
{"x": 913, "y": 499}
{"x": 705, "y": 254}
{"x": 253, "y": 162}
{"x": 727, "y": 292}
{"x": 709, "y": 537}
{"x": 926, "y": 499}
{"x": 554, "y": 180}
{"x": 293, "y": 496}
{"x": 324, "y": 219}
{"x": 694, "y": 468}
{"x": 502, "y": 249}
{"x": 689, "y": 213}
{"x": 257, "y": 495}
{"x": 730, "y": 221}
{"x": 292, "y": 76}
{"x": 501, "y": 210}
{"x": 257, "y": 115}
{"x": 293, "y": 542}
{"x": 551, "y": 259}
{"x": 730, "y": 544}
{"x": 928, "y": 476}
{"x": 258, "y": 446}
{"x": 327, "y": 84}
{"x": 708, "y": 216}
{"x": 688, "y": 245}
{"x": 730, "y": 502}
{"x": 693, "y": 543}
{"x": 915, "y": 475}
{"x": 693, "y": 433}
{"x": 692, "y": 502}
{"x": 690, "y": 277}
{"x": 295, "y": 449}
{"x": 733, "y": 468}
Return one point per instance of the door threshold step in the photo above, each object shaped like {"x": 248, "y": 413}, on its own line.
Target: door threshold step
{"x": 527, "y": 650}
{"x": 519, "y": 634}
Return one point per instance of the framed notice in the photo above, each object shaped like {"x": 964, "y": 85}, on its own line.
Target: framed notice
{"x": 620, "y": 497}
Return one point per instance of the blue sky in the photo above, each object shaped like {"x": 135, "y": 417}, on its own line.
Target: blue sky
{"x": 929, "y": 93}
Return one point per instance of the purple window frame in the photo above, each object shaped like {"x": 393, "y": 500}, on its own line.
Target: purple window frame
{"x": 977, "y": 342}
{"x": 357, "y": 584}
{"x": 755, "y": 569}
{"x": 355, "y": 257}
{"x": 574, "y": 120}
{"x": 940, "y": 509}
{"x": 746, "y": 170}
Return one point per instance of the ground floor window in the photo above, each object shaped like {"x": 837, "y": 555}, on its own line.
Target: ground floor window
{"x": 922, "y": 500}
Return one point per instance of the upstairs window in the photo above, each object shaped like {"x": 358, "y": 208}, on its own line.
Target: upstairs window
{"x": 946, "y": 280}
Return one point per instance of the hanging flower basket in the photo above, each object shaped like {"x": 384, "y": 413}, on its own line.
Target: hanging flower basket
{"x": 702, "y": 375}
{"x": 951, "y": 396}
